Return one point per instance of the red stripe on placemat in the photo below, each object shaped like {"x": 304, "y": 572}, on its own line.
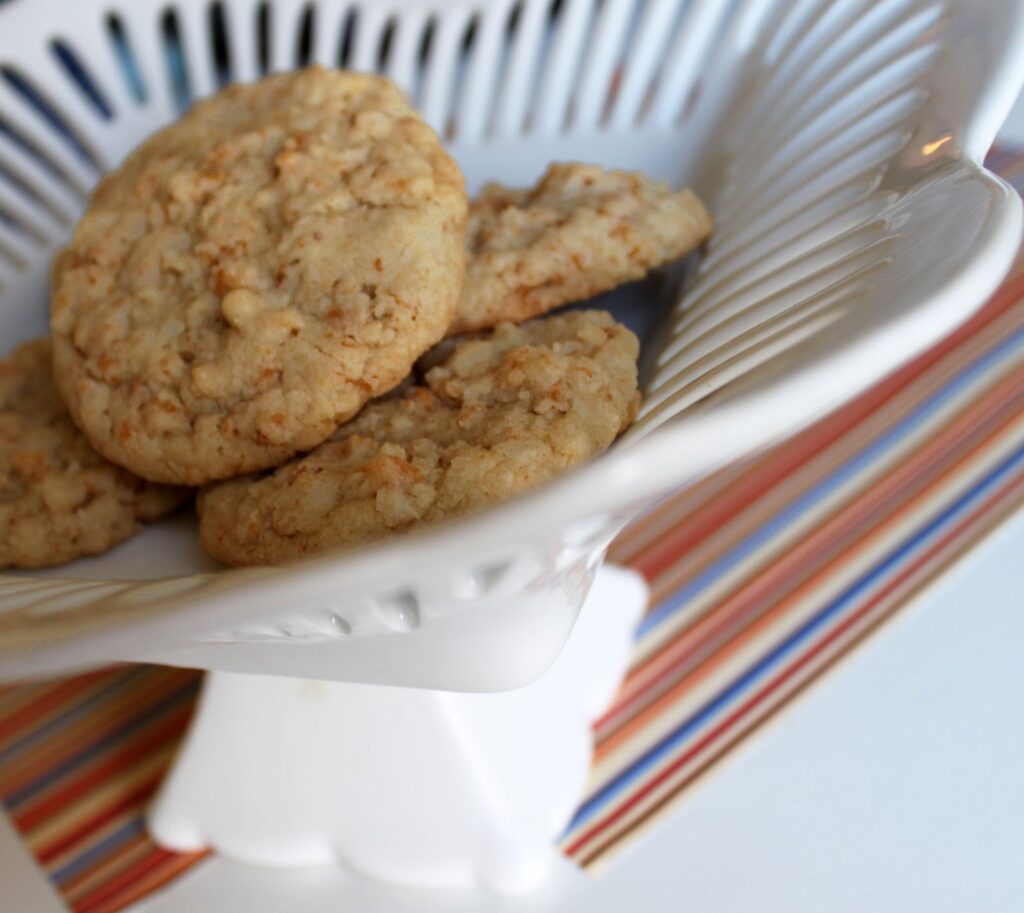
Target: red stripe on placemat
{"x": 32, "y": 714}
{"x": 692, "y": 673}
{"x": 1012, "y": 492}
{"x": 790, "y": 456}
{"x": 787, "y": 573}
{"x": 169, "y": 730}
{"x": 111, "y": 894}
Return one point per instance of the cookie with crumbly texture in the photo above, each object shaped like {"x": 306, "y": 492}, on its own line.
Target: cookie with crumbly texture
{"x": 254, "y": 273}
{"x": 59, "y": 499}
{"x": 579, "y": 232}
{"x": 495, "y": 416}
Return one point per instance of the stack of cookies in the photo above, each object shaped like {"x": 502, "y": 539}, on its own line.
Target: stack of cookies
{"x": 256, "y": 304}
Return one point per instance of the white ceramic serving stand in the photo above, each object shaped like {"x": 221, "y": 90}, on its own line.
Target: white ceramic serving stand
{"x": 419, "y": 787}
{"x": 839, "y": 144}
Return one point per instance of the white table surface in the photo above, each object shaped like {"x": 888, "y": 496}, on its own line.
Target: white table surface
{"x": 896, "y": 783}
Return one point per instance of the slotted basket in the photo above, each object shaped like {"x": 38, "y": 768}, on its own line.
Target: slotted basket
{"x": 838, "y": 143}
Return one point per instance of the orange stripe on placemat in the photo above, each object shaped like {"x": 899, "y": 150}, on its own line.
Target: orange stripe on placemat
{"x": 111, "y": 894}
{"x": 164, "y": 731}
{"x": 663, "y": 517}
{"x": 895, "y": 594}
{"x": 94, "y": 729}
{"x": 153, "y": 877}
{"x": 109, "y": 866}
{"x": 135, "y": 798}
{"x": 14, "y": 697}
{"x": 778, "y": 605}
{"x": 37, "y": 712}
{"x": 787, "y": 458}
{"x": 1003, "y": 402}
{"x": 774, "y": 500}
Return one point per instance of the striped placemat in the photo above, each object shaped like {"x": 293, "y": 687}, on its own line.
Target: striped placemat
{"x": 761, "y": 578}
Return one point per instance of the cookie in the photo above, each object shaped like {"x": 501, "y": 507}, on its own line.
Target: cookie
{"x": 493, "y": 417}
{"x": 581, "y": 231}
{"x": 59, "y": 499}
{"x": 256, "y": 272}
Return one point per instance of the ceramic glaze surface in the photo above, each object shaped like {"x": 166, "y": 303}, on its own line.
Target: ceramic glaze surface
{"x": 425, "y": 788}
{"x": 838, "y": 143}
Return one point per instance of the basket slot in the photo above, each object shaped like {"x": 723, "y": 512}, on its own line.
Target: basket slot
{"x": 19, "y": 248}
{"x": 39, "y": 173}
{"x": 409, "y": 47}
{"x": 384, "y": 45}
{"x": 75, "y": 117}
{"x": 899, "y": 51}
{"x": 824, "y": 22}
{"x": 146, "y": 35}
{"x": 803, "y": 208}
{"x": 602, "y": 62}
{"x": 38, "y": 599}
{"x": 39, "y": 177}
{"x": 58, "y": 101}
{"x": 304, "y": 40}
{"x": 79, "y": 116}
{"x": 645, "y": 56}
{"x": 858, "y": 55}
{"x": 125, "y": 59}
{"x": 289, "y": 28}
{"x": 734, "y": 242}
{"x": 347, "y": 38}
{"x": 848, "y": 117}
{"x": 220, "y": 46}
{"x": 329, "y": 25}
{"x": 768, "y": 177}
{"x": 483, "y": 67}
{"x": 176, "y": 59}
{"x": 702, "y": 23}
{"x": 842, "y": 104}
{"x": 769, "y": 340}
{"x": 717, "y": 104}
{"x": 80, "y": 76}
{"x": 829, "y": 167}
{"x": 467, "y": 53}
{"x": 526, "y": 25}
{"x": 887, "y": 114}
{"x": 809, "y": 229}
{"x": 784, "y": 30}
{"x": 103, "y": 64}
{"x": 561, "y": 66}
{"x": 867, "y": 168}
{"x": 442, "y": 69}
{"x": 45, "y": 129}
{"x": 21, "y": 206}
{"x": 240, "y": 32}
{"x": 694, "y": 372}
{"x": 196, "y": 23}
{"x": 367, "y": 37}
{"x": 264, "y": 23}
{"x": 699, "y": 332}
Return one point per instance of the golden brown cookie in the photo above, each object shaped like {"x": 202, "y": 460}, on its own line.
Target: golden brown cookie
{"x": 254, "y": 273}
{"x": 495, "y": 416}
{"x": 59, "y": 499}
{"x": 581, "y": 231}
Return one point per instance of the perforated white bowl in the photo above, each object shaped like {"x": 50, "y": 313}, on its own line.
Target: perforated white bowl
{"x": 838, "y": 143}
